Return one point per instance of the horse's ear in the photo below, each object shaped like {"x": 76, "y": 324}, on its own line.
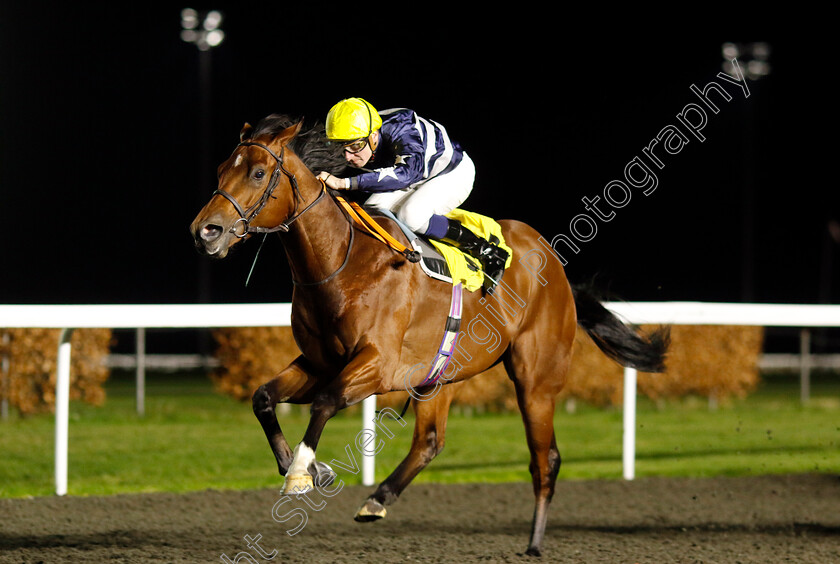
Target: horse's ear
{"x": 290, "y": 132}
{"x": 246, "y": 129}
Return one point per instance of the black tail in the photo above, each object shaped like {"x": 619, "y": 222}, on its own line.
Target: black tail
{"x": 621, "y": 343}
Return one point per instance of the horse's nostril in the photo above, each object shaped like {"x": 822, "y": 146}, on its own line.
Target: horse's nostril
{"x": 210, "y": 232}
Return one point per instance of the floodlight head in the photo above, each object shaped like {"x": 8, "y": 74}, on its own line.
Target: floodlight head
{"x": 189, "y": 18}
{"x": 753, "y": 56}
{"x": 212, "y": 20}
{"x": 215, "y": 37}
{"x": 206, "y": 35}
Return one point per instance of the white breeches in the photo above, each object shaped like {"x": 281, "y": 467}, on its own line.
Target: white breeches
{"x": 438, "y": 195}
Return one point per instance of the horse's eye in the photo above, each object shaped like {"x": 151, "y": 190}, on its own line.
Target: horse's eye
{"x": 259, "y": 174}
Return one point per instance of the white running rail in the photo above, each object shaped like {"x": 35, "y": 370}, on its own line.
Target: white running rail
{"x": 70, "y": 317}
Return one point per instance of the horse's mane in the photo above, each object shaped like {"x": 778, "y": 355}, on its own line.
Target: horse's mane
{"x": 310, "y": 145}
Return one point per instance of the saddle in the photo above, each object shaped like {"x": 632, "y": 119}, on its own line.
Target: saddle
{"x": 437, "y": 259}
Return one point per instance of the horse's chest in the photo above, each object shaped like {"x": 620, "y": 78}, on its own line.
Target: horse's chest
{"x": 327, "y": 339}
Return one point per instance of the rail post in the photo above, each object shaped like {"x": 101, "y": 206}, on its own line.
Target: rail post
{"x": 62, "y": 410}
{"x": 805, "y": 365}
{"x": 140, "y": 370}
{"x": 369, "y": 427}
{"x": 629, "y": 450}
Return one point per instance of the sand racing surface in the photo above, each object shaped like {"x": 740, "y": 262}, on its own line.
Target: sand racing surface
{"x": 653, "y": 520}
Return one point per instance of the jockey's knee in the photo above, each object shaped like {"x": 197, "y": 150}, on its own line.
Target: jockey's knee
{"x": 414, "y": 219}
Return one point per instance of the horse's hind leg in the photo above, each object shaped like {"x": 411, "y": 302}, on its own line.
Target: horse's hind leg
{"x": 428, "y": 441}
{"x": 538, "y": 376}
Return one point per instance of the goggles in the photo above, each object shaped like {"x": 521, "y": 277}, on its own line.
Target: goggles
{"x": 356, "y": 146}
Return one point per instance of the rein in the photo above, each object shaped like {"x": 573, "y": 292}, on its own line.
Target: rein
{"x": 357, "y": 214}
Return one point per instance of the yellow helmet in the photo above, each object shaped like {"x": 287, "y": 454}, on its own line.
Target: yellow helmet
{"x": 352, "y": 118}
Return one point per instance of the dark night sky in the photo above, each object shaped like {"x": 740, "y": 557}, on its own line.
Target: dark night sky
{"x": 101, "y": 151}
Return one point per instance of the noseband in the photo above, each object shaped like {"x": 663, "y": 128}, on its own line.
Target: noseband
{"x": 246, "y": 216}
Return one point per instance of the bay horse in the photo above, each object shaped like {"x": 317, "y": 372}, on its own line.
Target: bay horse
{"x": 364, "y": 316}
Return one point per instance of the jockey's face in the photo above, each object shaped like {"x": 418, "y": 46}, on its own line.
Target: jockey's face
{"x": 361, "y": 157}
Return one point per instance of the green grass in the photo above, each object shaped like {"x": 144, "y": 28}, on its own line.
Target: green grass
{"x": 194, "y": 439}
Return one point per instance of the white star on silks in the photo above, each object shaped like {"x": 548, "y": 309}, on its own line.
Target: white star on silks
{"x": 391, "y": 171}
{"x": 386, "y": 172}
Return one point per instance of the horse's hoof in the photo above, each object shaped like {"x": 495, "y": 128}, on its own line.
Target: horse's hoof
{"x": 372, "y": 510}
{"x": 324, "y": 475}
{"x": 533, "y": 551}
{"x": 296, "y": 485}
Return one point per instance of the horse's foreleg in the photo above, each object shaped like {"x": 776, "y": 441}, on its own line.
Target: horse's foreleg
{"x": 294, "y": 385}
{"x": 428, "y": 441}
{"x": 357, "y": 381}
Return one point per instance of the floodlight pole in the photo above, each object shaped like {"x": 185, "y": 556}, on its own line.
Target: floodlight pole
{"x": 755, "y": 59}
{"x": 205, "y": 68}
{"x": 203, "y": 29}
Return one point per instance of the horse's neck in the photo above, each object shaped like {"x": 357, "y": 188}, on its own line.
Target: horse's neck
{"x": 317, "y": 242}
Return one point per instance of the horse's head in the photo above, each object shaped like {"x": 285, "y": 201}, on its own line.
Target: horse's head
{"x": 257, "y": 192}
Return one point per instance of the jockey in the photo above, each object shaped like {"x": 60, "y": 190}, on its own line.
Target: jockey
{"x": 410, "y": 167}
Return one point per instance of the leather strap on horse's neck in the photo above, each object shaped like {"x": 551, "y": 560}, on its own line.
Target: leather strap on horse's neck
{"x": 248, "y": 215}
{"x": 358, "y": 214}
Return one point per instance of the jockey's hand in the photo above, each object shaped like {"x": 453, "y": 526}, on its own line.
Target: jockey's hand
{"x": 334, "y": 182}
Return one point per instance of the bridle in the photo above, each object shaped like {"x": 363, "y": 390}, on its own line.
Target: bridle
{"x": 246, "y": 216}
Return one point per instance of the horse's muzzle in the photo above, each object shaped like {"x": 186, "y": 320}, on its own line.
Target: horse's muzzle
{"x": 209, "y": 239}
{"x": 209, "y": 233}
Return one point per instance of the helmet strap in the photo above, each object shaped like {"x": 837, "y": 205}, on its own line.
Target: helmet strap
{"x": 373, "y": 144}
{"x": 370, "y": 141}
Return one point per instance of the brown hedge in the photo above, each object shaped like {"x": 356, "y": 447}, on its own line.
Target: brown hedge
{"x": 32, "y": 353}
{"x": 719, "y": 362}
{"x": 710, "y": 361}
{"x": 251, "y": 356}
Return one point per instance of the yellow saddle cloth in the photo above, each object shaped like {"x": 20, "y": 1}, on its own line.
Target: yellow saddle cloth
{"x": 463, "y": 268}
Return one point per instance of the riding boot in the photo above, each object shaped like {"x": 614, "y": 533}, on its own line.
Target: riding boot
{"x": 491, "y": 256}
